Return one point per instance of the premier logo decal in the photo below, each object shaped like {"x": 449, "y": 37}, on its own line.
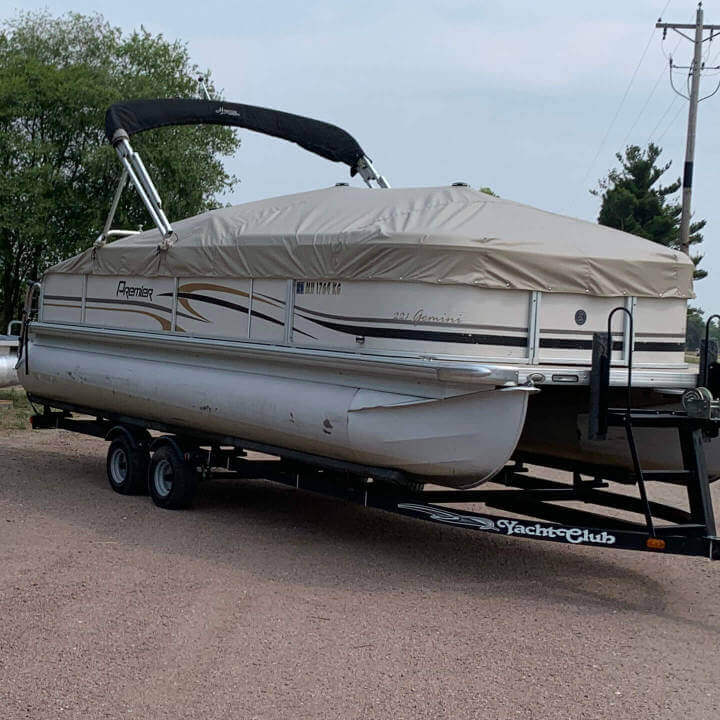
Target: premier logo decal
{"x": 129, "y": 291}
{"x": 573, "y": 535}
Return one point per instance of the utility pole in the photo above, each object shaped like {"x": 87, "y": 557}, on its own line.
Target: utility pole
{"x": 694, "y": 97}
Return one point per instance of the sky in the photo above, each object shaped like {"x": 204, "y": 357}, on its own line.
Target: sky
{"x": 531, "y": 99}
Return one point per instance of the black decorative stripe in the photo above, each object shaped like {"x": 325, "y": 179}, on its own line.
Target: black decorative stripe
{"x": 269, "y": 298}
{"x": 239, "y": 308}
{"x": 216, "y": 301}
{"x": 395, "y": 321}
{"x": 660, "y": 347}
{"x": 476, "y": 339}
{"x": 63, "y": 297}
{"x": 430, "y": 335}
{"x": 140, "y": 303}
{"x": 570, "y": 344}
{"x": 114, "y": 301}
{"x": 577, "y": 333}
{"x": 406, "y": 334}
{"x": 657, "y": 334}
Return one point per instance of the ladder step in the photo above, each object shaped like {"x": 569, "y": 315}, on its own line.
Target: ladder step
{"x": 647, "y": 418}
{"x": 687, "y": 529}
{"x": 674, "y": 477}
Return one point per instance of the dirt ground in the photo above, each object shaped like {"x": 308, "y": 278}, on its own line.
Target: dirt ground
{"x": 266, "y": 602}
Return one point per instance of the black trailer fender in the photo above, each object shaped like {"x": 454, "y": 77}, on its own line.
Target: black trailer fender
{"x": 136, "y": 437}
{"x": 174, "y": 442}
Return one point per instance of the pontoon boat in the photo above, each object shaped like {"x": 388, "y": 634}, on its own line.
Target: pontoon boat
{"x": 433, "y": 331}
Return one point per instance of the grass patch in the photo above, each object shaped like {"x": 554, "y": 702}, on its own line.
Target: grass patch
{"x": 15, "y": 410}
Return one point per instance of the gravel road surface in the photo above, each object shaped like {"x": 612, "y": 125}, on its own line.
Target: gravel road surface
{"x": 264, "y": 602}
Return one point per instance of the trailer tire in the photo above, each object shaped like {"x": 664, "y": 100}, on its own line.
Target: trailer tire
{"x": 127, "y": 467}
{"x": 172, "y": 479}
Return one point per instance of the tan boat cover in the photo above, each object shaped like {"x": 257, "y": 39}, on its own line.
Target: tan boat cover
{"x": 445, "y": 235}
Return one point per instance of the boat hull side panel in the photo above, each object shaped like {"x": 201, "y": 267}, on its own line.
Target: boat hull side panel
{"x": 376, "y": 316}
{"x": 62, "y": 298}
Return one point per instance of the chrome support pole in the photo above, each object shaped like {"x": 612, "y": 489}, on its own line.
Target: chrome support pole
{"x": 628, "y": 339}
{"x": 368, "y": 173}
{"x": 144, "y": 176}
{"x": 23, "y": 342}
{"x": 147, "y": 191}
{"x": 202, "y": 87}
{"x": 162, "y": 227}
{"x": 533, "y": 338}
{"x": 113, "y": 209}
{"x": 250, "y": 308}
{"x": 83, "y": 300}
{"x": 289, "y": 311}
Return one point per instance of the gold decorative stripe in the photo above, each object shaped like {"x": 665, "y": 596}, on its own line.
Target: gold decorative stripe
{"x": 62, "y": 305}
{"x": 164, "y": 323}
{"x": 192, "y": 287}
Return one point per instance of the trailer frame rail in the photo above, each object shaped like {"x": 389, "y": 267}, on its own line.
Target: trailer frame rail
{"x": 533, "y": 501}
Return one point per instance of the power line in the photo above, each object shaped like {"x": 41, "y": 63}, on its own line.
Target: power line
{"x": 644, "y": 107}
{"x": 650, "y": 96}
{"x": 662, "y": 117}
{"x": 715, "y": 59}
{"x": 622, "y": 100}
{"x": 672, "y": 122}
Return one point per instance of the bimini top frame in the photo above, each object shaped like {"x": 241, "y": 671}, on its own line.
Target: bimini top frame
{"x": 123, "y": 120}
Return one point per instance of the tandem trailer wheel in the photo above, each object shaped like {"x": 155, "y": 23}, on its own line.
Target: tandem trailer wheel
{"x": 172, "y": 478}
{"x": 127, "y": 465}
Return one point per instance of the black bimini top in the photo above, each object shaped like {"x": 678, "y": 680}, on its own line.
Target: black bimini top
{"x": 321, "y": 138}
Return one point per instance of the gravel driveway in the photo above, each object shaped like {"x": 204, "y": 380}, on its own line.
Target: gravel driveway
{"x": 265, "y": 602}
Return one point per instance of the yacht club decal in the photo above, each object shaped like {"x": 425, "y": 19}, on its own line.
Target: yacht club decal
{"x": 506, "y": 526}
{"x": 450, "y": 517}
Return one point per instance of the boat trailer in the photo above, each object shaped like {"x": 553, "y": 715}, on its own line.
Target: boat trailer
{"x": 182, "y": 458}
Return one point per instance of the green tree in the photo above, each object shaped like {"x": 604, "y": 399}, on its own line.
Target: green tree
{"x": 695, "y": 328}
{"x": 633, "y": 200}
{"x": 57, "y": 171}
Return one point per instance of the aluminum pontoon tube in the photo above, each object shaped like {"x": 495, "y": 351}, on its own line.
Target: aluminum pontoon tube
{"x": 458, "y": 440}
{"x": 8, "y": 360}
